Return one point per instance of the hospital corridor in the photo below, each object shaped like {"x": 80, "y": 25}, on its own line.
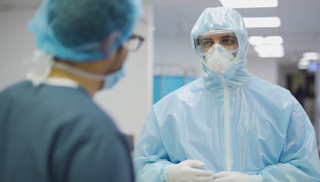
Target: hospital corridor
{"x": 160, "y": 91}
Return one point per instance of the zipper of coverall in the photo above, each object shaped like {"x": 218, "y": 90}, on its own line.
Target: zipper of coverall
{"x": 227, "y": 120}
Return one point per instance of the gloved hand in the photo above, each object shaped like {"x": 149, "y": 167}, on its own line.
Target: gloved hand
{"x": 185, "y": 172}
{"x": 229, "y": 176}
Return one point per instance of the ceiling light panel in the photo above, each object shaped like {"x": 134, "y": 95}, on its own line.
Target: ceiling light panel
{"x": 262, "y": 22}
{"x": 269, "y": 50}
{"x": 249, "y": 3}
{"x": 269, "y": 40}
{"x": 311, "y": 55}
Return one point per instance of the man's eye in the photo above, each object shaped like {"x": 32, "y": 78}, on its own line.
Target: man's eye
{"x": 207, "y": 43}
{"x": 229, "y": 41}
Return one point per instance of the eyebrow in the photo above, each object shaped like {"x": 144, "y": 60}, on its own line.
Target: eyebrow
{"x": 229, "y": 36}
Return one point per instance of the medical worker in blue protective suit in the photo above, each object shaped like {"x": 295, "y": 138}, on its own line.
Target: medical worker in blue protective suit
{"x": 50, "y": 127}
{"x": 227, "y": 125}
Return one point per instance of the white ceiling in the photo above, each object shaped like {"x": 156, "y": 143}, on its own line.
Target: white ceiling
{"x": 300, "y": 23}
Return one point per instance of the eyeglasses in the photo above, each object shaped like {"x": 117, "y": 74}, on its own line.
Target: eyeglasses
{"x": 134, "y": 43}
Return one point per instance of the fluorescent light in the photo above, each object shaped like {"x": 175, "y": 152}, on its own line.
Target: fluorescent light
{"x": 311, "y": 55}
{"x": 269, "y": 50}
{"x": 271, "y": 55}
{"x": 303, "y": 63}
{"x": 249, "y": 3}
{"x": 256, "y": 40}
{"x": 271, "y": 40}
{"x": 306, "y": 62}
{"x": 278, "y": 40}
{"x": 262, "y": 22}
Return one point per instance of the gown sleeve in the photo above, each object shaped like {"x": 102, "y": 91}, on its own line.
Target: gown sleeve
{"x": 150, "y": 155}
{"x": 299, "y": 160}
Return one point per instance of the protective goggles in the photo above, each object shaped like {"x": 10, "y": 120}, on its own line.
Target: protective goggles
{"x": 205, "y": 40}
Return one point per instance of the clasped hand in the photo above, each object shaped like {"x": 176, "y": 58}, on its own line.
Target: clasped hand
{"x": 186, "y": 171}
{"x": 229, "y": 176}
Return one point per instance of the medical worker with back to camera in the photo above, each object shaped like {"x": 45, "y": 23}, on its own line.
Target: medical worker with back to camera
{"x": 228, "y": 125}
{"x": 50, "y": 127}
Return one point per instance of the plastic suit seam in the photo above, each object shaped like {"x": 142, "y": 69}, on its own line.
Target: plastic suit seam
{"x": 227, "y": 121}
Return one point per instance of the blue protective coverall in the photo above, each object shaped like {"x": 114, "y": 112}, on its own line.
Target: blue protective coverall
{"x": 57, "y": 133}
{"x": 235, "y": 123}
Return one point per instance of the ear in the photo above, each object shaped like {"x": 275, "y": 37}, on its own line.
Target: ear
{"x": 111, "y": 43}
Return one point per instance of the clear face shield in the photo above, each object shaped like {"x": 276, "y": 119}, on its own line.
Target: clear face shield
{"x": 217, "y": 48}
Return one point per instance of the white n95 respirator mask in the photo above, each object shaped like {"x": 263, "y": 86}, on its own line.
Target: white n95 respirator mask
{"x": 218, "y": 58}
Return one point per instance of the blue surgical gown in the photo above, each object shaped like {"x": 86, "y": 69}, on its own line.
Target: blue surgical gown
{"x": 56, "y": 133}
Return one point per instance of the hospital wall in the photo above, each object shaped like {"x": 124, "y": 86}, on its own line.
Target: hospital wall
{"x": 128, "y": 102}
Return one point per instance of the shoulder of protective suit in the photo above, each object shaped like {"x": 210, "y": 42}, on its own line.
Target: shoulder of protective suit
{"x": 268, "y": 90}
{"x": 182, "y": 93}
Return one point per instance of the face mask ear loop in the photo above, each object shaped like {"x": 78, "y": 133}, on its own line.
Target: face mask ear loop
{"x": 234, "y": 50}
{"x": 42, "y": 69}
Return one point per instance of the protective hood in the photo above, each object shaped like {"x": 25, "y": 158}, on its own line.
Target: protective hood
{"x": 227, "y": 19}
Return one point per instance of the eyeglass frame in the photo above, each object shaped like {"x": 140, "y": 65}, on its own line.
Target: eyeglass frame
{"x": 134, "y": 37}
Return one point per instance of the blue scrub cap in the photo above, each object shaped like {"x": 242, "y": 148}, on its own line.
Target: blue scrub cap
{"x": 225, "y": 19}
{"x": 78, "y": 30}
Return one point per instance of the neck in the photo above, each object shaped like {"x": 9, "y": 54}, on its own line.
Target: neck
{"x": 91, "y": 86}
